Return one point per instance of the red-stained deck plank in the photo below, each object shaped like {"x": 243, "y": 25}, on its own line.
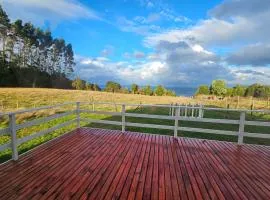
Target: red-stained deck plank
{"x": 107, "y": 164}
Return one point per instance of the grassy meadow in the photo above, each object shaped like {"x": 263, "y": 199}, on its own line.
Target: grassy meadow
{"x": 12, "y": 99}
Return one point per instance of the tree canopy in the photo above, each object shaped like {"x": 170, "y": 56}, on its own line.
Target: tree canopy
{"x": 80, "y": 84}
{"x": 219, "y": 88}
{"x": 203, "y": 89}
{"x": 135, "y": 88}
{"x": 160, "y": 90}
{"x": 147, "y": 90}
{"x": 238, "y": 90}
{"x": 112, "y": 86}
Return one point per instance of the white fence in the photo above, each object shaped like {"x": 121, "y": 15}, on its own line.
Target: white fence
{"x": 176, "y": 117}
{"x": 187, "y": 110}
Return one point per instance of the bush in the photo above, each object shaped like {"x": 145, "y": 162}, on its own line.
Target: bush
{"x": 203, "y": 89}
{"x": 160, "y": 90}
{"x": 79, "y": 84}
{"x": 218, "y": 88}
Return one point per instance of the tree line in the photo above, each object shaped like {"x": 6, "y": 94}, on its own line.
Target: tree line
{"x": 115, "y": 87}
{"x": 219, "y": 88}
{"x": 31, "y": 57}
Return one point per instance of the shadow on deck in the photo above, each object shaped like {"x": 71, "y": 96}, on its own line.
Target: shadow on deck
{"x": 107, "y": 164}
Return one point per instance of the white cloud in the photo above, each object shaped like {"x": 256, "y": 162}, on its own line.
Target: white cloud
{"x": 172, "y": 64}
{"x": 198, "y": 48}
{"x": 250, "y": 75}
{"x": 233, "y": 26}
{"x": 127, "y": 55}
{"x": 255, "y": 55}
{"x": 233, "y": 8}
{"x": 138, "y": 54}
{"x": 137, "y": 25}
{"x": 152, "y": 17}
{"x": 101, "y": 70}
{"x": 170, "y": 15}
{"x": 149, "y": 24}
{"x": 41, "y": 11}
{"x": 213, "y": 32}
{"x": 107, "y": 51}
{"x": 150, "y": 5}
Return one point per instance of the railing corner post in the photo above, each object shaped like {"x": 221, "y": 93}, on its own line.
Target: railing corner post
{"x": 12, "y": 127}
{"x": 123, "y": 118}
{"x": 78, "y": 114}
{"x": 241, "y": 127}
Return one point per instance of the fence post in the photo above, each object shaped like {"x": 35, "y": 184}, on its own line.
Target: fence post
{"x": 200, "y": 111}
{"x": 93, "y": 106}
{"x": 192, "y": 111}
{"x": 177, "y": 114}
{"x": 123, "y": 118}
{"x": 186, "y": 110}
{"x": 241, "y": 127}
{"x": 238, "y": 101}
{"x": 12, "y": 127}
{"x": 170, "y": 110}
{"x": 115, "y": 106}
{"x": 78, "y": 114}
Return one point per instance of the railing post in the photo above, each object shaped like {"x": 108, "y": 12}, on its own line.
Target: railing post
{"x": 12, "y": 127}
{"x": 123, "y": 118}
{"x": 186, "y": 110}
{"x": 78, "y": 114}
{"x": 170, "y": 109}
{"x": 192, "y": 111}
{"x": 200, "y": 111}
{"x": 93, "y": 106}
{"x": 241, "y": 127}
{"x": 177, "y": 114}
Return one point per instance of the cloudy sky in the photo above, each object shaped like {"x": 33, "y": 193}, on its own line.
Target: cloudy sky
{"x": 170, "y": 42}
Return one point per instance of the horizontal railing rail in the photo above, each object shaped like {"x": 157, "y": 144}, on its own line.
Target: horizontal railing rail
{"x": 4, "y": 131}
{"x": 43, "y": 132}
{"x": 12, "y": 128}
{"x": 241, "y": 122}
{"x": 177, "y": 113}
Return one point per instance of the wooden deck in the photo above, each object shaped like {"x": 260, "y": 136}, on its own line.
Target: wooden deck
{"x": 107, "y": 164}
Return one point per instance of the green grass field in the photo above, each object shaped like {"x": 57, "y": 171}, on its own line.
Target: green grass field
{"x": 28, "y": 95}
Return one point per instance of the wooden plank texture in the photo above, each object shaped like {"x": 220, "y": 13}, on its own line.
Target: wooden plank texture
{"x": 108, "y": 164}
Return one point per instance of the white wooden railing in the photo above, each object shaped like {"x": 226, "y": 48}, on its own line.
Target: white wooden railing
{"x": 176, "y": 117}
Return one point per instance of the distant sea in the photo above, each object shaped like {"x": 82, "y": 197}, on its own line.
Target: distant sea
{"x": 183, "y": 91}
{"x": 179, "y": 91}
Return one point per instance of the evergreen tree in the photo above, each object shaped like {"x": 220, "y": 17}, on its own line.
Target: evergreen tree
{"x": 26, "y": 48}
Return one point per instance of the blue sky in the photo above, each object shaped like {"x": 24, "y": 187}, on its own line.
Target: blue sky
{"x": 172, "y": 42}
{"x": 90, "y": 37}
